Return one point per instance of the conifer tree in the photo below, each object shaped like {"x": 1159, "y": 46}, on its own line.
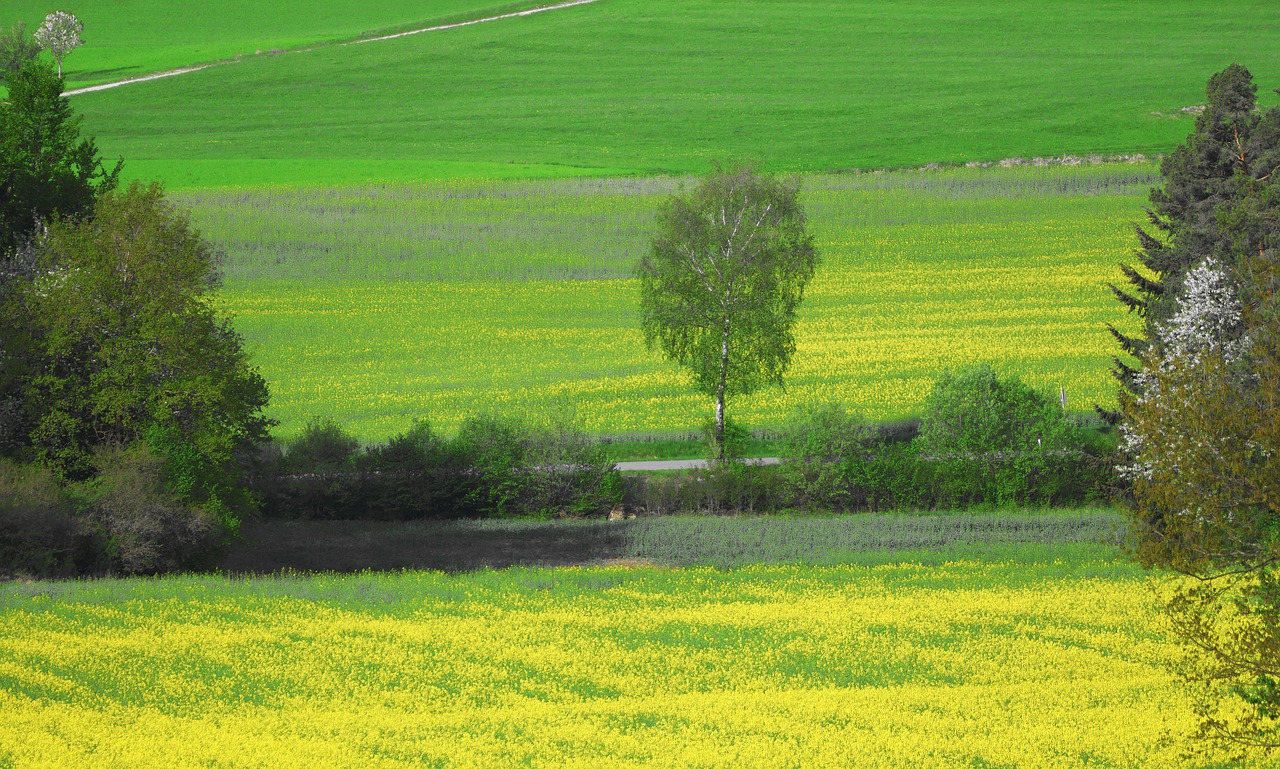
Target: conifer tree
{"x": 1225, "y": 161}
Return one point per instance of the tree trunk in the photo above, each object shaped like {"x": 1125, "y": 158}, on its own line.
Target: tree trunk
{"x": 724, "y": 374}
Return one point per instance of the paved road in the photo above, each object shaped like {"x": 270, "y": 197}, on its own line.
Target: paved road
{"x": 687, "y": 464}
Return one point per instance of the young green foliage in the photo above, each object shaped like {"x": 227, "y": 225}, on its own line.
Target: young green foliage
{"x": 45, "y": 167}
{"x": 721, "y": 285}
{"x": 16, "y": 49}
{"x": 125, "y": 340}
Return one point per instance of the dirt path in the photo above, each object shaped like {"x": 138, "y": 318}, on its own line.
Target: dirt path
{"x": 185, "y": 70}
{"x": 529, "y": 12}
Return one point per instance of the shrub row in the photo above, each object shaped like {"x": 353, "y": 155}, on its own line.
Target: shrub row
{"x": 895, "y": 477}
{"x": 495, "y": 467}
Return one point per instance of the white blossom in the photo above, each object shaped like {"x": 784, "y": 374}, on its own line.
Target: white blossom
{"x": 1208, "y": 319}
{"x": 1208, "y": 316}
{"x": 59, "y": 34}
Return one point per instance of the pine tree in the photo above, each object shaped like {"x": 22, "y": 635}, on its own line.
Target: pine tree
{"x": 1226, "y": 161}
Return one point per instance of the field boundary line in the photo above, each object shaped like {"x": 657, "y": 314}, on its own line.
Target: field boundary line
{"x": 197, "y": 68}
{"x": 529, "y": 12}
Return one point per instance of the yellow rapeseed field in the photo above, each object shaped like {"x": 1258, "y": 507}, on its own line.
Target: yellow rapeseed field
{"x": 901, "y": 665}
{"x": 384, "y": 305}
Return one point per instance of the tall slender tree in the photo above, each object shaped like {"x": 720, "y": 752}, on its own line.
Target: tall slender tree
{"x": 722, "y": 282}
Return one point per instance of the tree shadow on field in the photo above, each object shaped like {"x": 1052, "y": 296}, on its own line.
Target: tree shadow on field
{"x": 113, "y": 73}
{"x": 451, "y": 546}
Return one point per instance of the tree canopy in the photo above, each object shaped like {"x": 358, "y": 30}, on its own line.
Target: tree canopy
{"x": 1201, "y": 416}
{"x": 16, "y": 49}
{"x": 127, "y": 346}
{"x": 721, "y": 284}
{"x": 46, "y": 168}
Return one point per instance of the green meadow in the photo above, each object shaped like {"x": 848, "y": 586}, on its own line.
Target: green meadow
{"x": 131, "y": 38}
{"x": 667, "y": 86}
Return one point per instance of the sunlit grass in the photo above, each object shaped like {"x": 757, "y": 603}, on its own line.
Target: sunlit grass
{"x": 666, "y": 86}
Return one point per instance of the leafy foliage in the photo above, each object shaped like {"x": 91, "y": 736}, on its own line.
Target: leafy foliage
{"x": 495, "y": 467}
{"x": 127, "y": 347}
{"x": 1202, "y": 426}
{"x": 46, "y": 169}
{"x": 148, "y": 527}
{"x": 40, "y": 534}
{"x": 975, "y": 412}
{"x": 16, "y": 50}
{"x": 721, "y": 285}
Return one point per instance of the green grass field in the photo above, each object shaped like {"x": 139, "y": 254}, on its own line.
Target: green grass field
{"x": 1034, "y": 655}
{"x": 665, "y": 86}
{"x": 381, "y": 304}
{"x": 129, "y": 38}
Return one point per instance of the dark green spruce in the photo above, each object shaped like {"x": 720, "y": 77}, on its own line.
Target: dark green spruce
{"x": 1217, "y": 192}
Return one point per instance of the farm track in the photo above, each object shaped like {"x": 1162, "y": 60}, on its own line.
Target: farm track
{"x": 437, "y": 28}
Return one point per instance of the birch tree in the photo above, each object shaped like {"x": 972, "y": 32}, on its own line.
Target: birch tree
{"x": 722, "y": 281}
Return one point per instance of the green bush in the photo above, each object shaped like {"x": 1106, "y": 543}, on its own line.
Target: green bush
{"x": 568, "y": 474}
{"x": 975, "y": 412}
{"x": 736, "y": 439}
{"x": 417, "y": 474}
{"x": 722, "y": 488}
{"x": 40, "y": 535}
{"x": 496, "y": 467}
{"x": 148, "y": 528}
{"x": 822, "y": 444}
{"x": 323, "y": 447}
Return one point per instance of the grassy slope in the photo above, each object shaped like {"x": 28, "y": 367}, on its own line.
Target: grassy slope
{"x": 667, "y": 85}
{"x": 128, "y": 38}
{"x": 383, "y": 304}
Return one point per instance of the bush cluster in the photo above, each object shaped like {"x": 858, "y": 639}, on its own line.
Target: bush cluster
{"x": 495, "y": 467}
{"x": 127, "y": 519}
{"x": 983, "y": 441}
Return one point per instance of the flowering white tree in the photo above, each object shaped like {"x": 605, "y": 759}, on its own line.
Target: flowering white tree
{"x": 1206, "y": 328}
{"x": 1203, "y": 440}
{"x": 60, "y": 34}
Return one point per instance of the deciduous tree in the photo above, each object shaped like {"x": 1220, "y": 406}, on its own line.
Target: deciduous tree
{"x": 130, "y": 348}
{"x": 16, "y": 49}
{"x": 59, "y": 33}
{"x": 1202, "y": 415}
{"x": 721, "y": 284}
